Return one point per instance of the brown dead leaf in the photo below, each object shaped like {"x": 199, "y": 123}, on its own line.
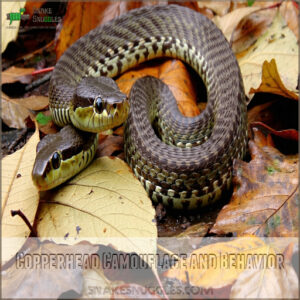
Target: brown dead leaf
{"x": 174, "y": 74}
{"x": 109, "y": 144}
{"x": 49, "y": 274}
{"x": 264, "y": 198}
{"x": 278, "y": 116}
{"x": 81, "y": 17}
{"x": 279, "y": 224}
{"x": 272, "y": 83}
{"x": 250, "y": 28}
{"x": 32, "y": 102}
{"x": 197, "y": 230}
{"x": 14, "y": 74}
{"x": 228, "y": 22}
{"x": 289, "y": 134}
{"x": 13, "y": 115}
{"x": 30, "y": 7}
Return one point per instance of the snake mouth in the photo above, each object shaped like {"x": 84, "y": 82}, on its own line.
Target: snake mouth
{"x": 92, "y": 120}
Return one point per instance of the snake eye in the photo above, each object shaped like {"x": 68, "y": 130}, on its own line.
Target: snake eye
{"x": 114, "y": 105}
{"x": 55, "y": 160}
{"x": 99, "y": 105}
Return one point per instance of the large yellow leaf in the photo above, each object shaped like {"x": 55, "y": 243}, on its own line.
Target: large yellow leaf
{"x": 18, "y": 193}
{"x": 277, "y": 43}
{"x": 208, "y": 268}
{"x": 104, "y": 201}
{"x": 271, "y": 82}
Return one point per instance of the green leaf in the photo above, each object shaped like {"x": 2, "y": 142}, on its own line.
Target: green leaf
{"x": 250, "y": 2}
{"x": 42, "y": 119}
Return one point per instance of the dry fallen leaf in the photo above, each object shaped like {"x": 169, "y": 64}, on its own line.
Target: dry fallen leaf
{"x": 29, "y": 279}
{"x": 109, "y": 144}
{"x": 207, "y": 269}
{"x": 104, "y": 201}
{"x": 266, "y": 283}
{"x": 31, "y": 102}
{"x": 228, "y": 22}
{"x": 290, "y": 12}
{"x": 91, "y": 15}
{"x": 278, "y": 43}
{"x": 289, "y": 134}
{"x": 14, "y": 74}
{"x": 172, "y": 72}
{"x": 18, "y": 193}
{"x": 278, "y": 116}
{"x": 271, "y": 82}
{"x": 9, "y": 31}
{"x": 30, "y": 7}
{"x": 265, "y": 196}
{"x": 250, "y": 28}
{"x": 13, "y": 115}
{"x": 285, "y": 222}
{"x": 48, "y": 126}
{"x": 197, "y": 230}
{"x": 219, "y": 7}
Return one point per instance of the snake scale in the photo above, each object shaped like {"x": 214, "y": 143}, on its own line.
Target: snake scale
{"x": 185, "y": 163}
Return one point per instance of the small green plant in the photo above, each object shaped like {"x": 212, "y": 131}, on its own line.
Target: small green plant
{"x": 42, "y": 119}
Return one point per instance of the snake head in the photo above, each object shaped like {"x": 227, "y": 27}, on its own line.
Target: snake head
{"x": 62, "y": 155}
{"x": 98, "y": 105}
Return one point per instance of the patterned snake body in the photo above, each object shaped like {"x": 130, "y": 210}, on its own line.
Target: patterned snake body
{"x": 193, "y": 165}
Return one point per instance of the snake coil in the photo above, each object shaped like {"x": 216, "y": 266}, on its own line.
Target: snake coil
{"x": 190, "y": 163}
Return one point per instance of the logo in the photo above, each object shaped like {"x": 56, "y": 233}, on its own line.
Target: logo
{"x": 17, "y": 16}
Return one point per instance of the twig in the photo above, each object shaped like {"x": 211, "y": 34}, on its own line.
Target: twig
{"x": 161, "y": 285}
{"x": 163, "y": 249}
{"x": 17, "y": 141}
{"x": 188, "y": 282}
{"x": 20, "y": 214}
{"x": 38, "y": 82}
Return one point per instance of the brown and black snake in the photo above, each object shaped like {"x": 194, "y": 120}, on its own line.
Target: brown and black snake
{"x": 182, "y": 162}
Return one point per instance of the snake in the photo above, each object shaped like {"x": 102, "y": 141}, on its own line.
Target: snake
{"x": 182, "y": 162}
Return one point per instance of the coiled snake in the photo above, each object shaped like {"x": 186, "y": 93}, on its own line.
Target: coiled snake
{"x": 182, "y": 162}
